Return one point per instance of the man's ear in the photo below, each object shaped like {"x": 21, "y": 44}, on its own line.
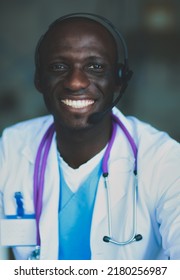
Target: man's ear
{"x": 37, "y": 82}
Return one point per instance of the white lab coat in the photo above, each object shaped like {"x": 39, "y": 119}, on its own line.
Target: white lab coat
{"x": 158, "y": 207}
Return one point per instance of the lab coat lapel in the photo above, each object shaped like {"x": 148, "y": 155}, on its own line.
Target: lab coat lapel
{"x": 49, "y": 216}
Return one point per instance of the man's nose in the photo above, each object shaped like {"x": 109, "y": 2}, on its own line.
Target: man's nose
{"x": 76, "y": 80}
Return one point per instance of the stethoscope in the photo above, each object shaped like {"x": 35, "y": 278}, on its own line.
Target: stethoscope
{"x": 39, "y": 174}
{"x": 134, "y": 236}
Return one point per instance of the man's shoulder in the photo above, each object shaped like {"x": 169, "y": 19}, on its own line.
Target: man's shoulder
{"x": 147, "y": 137}
{"x": 29, "y": 125}
{"x": 27, "y": 130}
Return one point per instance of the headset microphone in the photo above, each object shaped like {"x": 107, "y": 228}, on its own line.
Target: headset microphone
{"x": 96, "y": 117}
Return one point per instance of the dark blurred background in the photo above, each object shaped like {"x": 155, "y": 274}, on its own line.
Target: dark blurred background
{"x": 151, "y": 29}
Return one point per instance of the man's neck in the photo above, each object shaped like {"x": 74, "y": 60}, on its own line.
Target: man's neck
{"x": 78, "y": 146}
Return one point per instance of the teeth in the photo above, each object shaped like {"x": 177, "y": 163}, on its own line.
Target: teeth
{"x": 77, "y": 103}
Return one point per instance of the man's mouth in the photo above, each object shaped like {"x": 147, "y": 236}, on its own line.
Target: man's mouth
{"x": 77, "y": 104}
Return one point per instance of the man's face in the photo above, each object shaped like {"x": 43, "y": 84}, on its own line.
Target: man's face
{"x": 77, "y": 74}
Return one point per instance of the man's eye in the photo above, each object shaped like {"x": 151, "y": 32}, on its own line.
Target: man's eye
{"x": 58, "y": 67}
{"x": 96, "y": 67}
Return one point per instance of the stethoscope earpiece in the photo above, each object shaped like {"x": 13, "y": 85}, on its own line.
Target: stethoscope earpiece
{"x": 108, "y": 239}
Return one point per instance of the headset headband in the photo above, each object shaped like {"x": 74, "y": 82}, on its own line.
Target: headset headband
{"x": 106, "y": 23}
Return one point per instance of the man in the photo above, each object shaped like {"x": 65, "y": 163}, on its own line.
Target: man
{"x": 77, "y": 215}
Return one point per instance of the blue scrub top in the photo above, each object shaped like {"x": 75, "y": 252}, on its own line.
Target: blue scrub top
{"x": 75, "y": 216}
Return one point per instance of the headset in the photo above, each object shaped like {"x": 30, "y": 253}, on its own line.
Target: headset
{"x": 124, "y": 73}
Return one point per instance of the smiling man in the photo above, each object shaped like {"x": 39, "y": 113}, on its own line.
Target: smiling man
{"x": 77, "y": 75}
{"x": 69, "y": 185}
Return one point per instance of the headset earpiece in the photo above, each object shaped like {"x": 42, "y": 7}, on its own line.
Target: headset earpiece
{"x": 126, "y": 76}
{"x": 123, "y": 74}
{"x": 120, "y": 70}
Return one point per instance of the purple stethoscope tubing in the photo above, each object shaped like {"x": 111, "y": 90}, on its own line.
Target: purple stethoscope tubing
{"x": 130, "y": 140}
{"x": 116, "y": 120}
{"x": 41, "y": 163}
{"x": 39, "y": 172}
